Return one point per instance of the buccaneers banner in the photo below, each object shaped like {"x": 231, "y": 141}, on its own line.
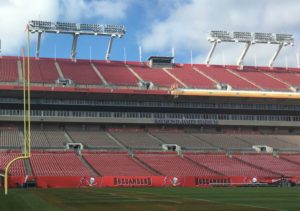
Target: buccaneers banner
{"x": 132, "y": 181}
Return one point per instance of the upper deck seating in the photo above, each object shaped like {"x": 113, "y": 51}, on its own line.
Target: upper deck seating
{"x": 155, "y": 75}
{"x": 48, "y": 138}
{"x": 269, "y": 140}
{"x": 10, "y": 138}
{"x": 191, "y": 78}
{"x": 184, "y": 140}
{"x": 290, "y": 77}
{"x": 81, "y": 72}
{"x": 291, "y": 139}
{"x": 263, "y": 80}
{"x": 93, "y": 139}
{"x": 224, "y": 141}
{"x": 137, "y": 139}
{"x": 43, "y": 71}
{"x": 116, "y": 73}
{"x": 223, "y": 76}
{"x": 8, "y": 69}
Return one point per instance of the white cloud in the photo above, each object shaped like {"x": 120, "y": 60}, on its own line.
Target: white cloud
{"x": 14, "y": 16}
{"x": 187, "y": 25}
{"x": 105, "y": 9}
{"x": 16, "y": 13}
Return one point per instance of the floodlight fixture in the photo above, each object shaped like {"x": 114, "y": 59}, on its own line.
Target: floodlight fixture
{"x": 287, "y": 39}
{"x": 249, "y": 38}
{"x": 242, "y": 36}
{"x": 264, "y": 37}
{"x": 220, "y": 35}
{"x": 75, "y": 29}
{"x": 41, "y": 25}
{"x": 67, "y": 27}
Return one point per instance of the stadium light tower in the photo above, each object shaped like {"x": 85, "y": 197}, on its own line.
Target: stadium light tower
{"x": 75, "y": 29}
{"x": 249, "y": 39}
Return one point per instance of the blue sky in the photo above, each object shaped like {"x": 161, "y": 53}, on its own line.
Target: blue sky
{"x": 157, "y": 26}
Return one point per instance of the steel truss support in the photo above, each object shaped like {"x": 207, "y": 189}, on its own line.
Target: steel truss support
{"x": 74, "y": 46}
{"x": 240, "y": 61}
{"x": 108, "y": 51}
{"x": 212, "y": 50}
{"x": 38, "y": 46}
{"x": 275, "y": 55}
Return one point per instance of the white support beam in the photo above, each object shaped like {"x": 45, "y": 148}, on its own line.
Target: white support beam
{"x": 74, "y": 46}
{"x": 240, "y": 61}
{"x": 209, "y": 56}
{"x": 297, "y": 56}
{"x": 107, "y": 56}
{"x": 37, "y": 50}
{"x": 191, "y": 54}
{"x": 275, "y": 55}
{"x": 140, "y": 54}
{"x": 173, "y": 55}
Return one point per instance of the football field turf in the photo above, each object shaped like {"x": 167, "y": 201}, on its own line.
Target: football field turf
{"x": 257, "y": 199}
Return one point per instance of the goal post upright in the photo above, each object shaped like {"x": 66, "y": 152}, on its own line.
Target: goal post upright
{"x": 27, "y": 117}
{"x": 28, "y": 96}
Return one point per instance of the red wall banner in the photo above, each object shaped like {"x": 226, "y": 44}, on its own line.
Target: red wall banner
{"x": 140, "y": 181}
{"x": 67, "y": 182}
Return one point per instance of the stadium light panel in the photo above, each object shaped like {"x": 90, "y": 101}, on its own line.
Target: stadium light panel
{"x": 220, "y": 35}
{"x": 242, "y": 36}
{"x": 66, "y": 27}
{"x": 91, "y": 27}
{"x": 264, "y": 37}
{"x": 41, "y": 25}
{"x": 287, "y": 39}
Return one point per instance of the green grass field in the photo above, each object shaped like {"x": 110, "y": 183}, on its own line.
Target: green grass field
{"x": 152, "y": 199}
